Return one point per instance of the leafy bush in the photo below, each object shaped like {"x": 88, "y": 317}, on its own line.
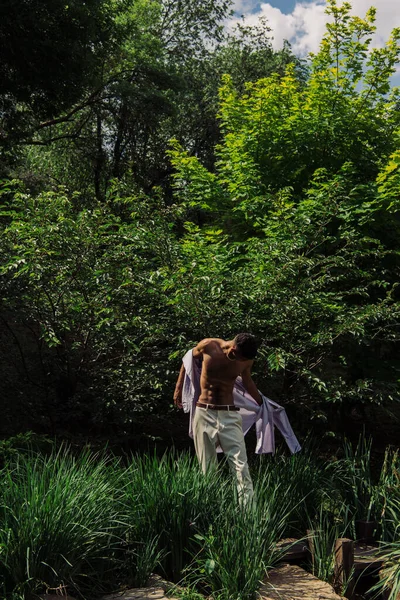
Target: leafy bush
{"x": 24, "y": 442}
{"x": 292, "y": 235}
{"x": 298, "y": 235}
{"x": 83, "y": 307}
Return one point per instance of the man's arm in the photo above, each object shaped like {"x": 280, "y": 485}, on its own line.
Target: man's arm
{"x": 179, "y": 387}
{"x": 198, "y": 351}
{"x": 250, "y": 385}
{"x": 197, "y": 355}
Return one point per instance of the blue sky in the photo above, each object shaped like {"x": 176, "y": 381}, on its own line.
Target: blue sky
{"x": 286, "y": 6}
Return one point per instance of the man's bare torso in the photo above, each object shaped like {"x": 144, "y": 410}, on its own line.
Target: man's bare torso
{"x": 218, "y": 372}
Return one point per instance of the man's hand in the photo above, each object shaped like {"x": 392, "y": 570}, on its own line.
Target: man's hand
{"x": 179, "y": 387}
{"x": 250, "y": 385}
{"x": 178, "y": 400}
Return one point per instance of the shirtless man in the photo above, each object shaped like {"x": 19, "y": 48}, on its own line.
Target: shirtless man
{"x": 217, "y": 420}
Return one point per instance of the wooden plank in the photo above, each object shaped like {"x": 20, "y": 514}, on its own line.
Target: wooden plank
{"x": 293, "y": 550}
{"x": 291, "y": 582}
{"x": 344, "y": 561}
{"x": 367, "y": 559}
{"x": 311, "y": 547}
{"x": 148, "y": 593}
{"x": 366, "y": 556}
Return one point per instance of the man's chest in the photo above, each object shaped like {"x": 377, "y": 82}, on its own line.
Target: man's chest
{"x": 220, "y": 368}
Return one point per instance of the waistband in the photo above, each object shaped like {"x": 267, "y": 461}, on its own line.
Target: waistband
{"x": 217, "y": 406}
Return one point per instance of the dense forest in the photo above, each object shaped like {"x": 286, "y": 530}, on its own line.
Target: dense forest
{"x": 164, "y": 180}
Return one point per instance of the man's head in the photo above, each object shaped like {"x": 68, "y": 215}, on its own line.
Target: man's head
{"x": 246, "y": 346}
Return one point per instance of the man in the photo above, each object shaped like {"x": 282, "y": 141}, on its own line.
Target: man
{"x": 217, "y": 420}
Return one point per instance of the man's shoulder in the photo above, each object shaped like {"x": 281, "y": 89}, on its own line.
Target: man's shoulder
{"x": 210, "y": 342}
{"x": 208, "y": 346}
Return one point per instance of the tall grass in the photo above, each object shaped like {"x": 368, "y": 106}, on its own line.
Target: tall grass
{"x": 240, "y": 545}
{"x": 331, "y": 522}
{"x": 72, "y": 523}
{"x": 360, "y": 491}
{"x": 169, "y": 498}
{"x": 388, "y": 497}
{"x": 59, "y": 522}
{"x": 303, "y": 477}
{"x": 197, "y": 515}
{"x": 366, "y": 496}
{"x": 389, "y": 581}
{"x": 89, "y": 525}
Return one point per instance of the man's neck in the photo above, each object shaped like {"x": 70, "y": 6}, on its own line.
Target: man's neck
{"x": 227, "y": 347}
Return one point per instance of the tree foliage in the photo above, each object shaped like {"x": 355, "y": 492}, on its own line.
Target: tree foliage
{"x": 83, "y": 306}
{"x": 51, "y": 53}
{"x": 284, "y": 221}
{"x": 304, "y": 201}
{"x": 160, "y": 80}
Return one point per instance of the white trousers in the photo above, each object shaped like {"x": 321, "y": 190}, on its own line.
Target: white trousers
{"x": 213, "y": 427}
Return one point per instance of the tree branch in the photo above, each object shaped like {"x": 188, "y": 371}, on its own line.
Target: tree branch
{"x": 92, "y": 99}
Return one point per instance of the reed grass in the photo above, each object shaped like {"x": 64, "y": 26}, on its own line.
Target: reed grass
{"x": 389, "y": 576}
{"x": 388, "y": 497}
{"x": 303, "y": 477}
{"x": 169, "y": 498}
{"x": 59, "y": 522}
{"x": 240, "y": 545}
{"x": 368, "y": 497}
{"x": 360, "y": 488}
{"x": 330, "y": 523}
{"x": 90, "y": 525}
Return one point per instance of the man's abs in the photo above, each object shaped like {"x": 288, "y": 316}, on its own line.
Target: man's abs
{"x": 219, "y": 393}
{"x": 218, "y": 375}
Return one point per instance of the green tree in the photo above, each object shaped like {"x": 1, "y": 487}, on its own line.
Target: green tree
{"x": 292, "y": 233}
{"x": 82, "y": 306}
{"x": 246, "y": 54}
{"x": 118, "y": 123}
{"x": 304, "y": 211}
{"x": 51, "y": 54}
{"x": 279, "y": 132}
{"x": 160, "y": 81}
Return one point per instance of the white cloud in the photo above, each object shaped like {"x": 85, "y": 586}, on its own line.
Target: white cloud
{"x": 305, "y": 25}
{"x": 242, "y": 6}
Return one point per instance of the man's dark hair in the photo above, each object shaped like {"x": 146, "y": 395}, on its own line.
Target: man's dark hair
{"x": 247, "y": 345}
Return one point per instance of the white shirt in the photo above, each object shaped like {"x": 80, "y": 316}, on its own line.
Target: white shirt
{"x": 265, "y": 416}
